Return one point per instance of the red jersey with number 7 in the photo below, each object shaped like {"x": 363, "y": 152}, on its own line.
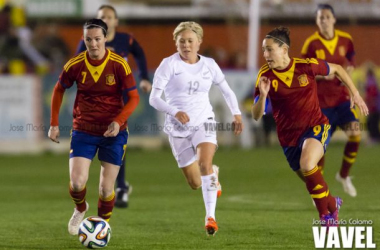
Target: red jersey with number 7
{"x": 293, "y": 94}
{"x": 101, "y": 86}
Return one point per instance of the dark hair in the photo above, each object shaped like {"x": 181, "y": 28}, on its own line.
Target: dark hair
{"x": 96, "y": 23}
{"x": 280, "y": 35}
{"x": 325, "y": 6}
{"x": 105, "y": 6}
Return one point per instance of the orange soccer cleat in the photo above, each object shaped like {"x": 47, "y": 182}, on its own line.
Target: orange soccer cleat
{"x": 211, "y": 226}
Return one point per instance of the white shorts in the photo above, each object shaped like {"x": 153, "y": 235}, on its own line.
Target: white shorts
{"x": 185, "y": 148}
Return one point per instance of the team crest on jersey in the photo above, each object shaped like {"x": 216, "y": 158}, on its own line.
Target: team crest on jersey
{"x": 342, "y": 51}
{"x": 302, "y": 79}
{"x": 110, "y": 79}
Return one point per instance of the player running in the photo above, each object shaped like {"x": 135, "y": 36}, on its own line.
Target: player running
{"x": 186, "y": 78}
{"x": 303, "y": 130}
{"x": 122, "y": 44}
{"x": 104, "y": 80}
{"x": 335, "y": 46}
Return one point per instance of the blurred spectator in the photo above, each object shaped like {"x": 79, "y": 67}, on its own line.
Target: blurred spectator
{"x": 239, "y": 60}
{"x": 51, "y": 45}
{"x": 222, "y": 57}
{"x": 16, "y": 49}
{"x": 373, "y": 102}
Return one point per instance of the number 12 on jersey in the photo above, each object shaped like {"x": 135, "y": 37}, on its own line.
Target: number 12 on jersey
{"x": 193, "y": 87}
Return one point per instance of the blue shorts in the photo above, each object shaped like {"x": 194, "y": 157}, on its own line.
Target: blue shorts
{"x": 321, "y": 133}
{"x": 110, "y": 149}
{"x": 340, "y": 115}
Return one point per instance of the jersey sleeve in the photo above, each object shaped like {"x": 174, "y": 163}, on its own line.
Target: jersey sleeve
{"x": 256, "y": 92}
{"x": 319, "y": 67}
{"x": 218, "y": 76}
{"x": 162, "y": 75}
{"x": 66, "y": 79}
{"x": 307, "y": 50}
{"x": 129, "y": 92}
{"x": 140, "y": 58}
{"x": 350, "y": 53}
{"x": 81, "y": 47}
{"x": 56, "y": 101}
{"x": 124, "y": 73}
{"x": 256, "y": 98}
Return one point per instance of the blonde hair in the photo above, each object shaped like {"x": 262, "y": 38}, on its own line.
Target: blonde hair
{"x": 189, "y": 25}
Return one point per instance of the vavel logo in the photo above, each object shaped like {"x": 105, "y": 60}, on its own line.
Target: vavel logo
{"x": 344, "y": 236}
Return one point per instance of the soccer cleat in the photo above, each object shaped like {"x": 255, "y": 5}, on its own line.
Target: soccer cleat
{"x": 327, "y": 221}
{"x": 332, "y": 219}
{"x": 339, "y": 203}
{"x": 211, "y": 226}
{"x": 76, "y": 219}
{"x": 348, "y": 187}
{"x": 215, "y": 168}
{"x": 122, "y": 196}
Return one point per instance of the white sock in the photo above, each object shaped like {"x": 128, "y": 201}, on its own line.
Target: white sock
{"x": 209, "y": 190}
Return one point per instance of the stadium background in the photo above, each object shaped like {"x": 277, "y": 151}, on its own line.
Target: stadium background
{"x": 265, "y": 206}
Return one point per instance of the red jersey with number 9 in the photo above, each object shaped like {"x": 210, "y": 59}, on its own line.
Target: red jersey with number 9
{"x": 293, "y": 94}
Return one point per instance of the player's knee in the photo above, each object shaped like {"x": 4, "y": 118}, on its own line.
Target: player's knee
{"x": 354, "y": 135}
{"x": 77, "y": 184}
{"x": 353, "y": 129}
{"x": 105, "y": 191}
{"x": 306, "y": 164}
{"x": 194, "y": 184}
{"x": 205, "y": 167}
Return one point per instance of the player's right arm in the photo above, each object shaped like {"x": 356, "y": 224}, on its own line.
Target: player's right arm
{"x": 65, "y": 81}
{"x": 161, "y": 78}
{"x": 56, "y": 101}
{"x": 258, "y": 107}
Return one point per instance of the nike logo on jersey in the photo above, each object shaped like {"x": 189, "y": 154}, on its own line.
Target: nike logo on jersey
{"x": 177, "y": 73}
{"x": 205, "y": 73}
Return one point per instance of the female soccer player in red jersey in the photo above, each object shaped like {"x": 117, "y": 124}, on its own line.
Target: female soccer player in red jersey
{"x": 104, "y": 81}
{"x": 123, "y": 44}
{"x": 335, "y": 46}
{"x": 303, "y": 130}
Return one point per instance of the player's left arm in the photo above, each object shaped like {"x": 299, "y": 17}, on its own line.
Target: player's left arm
{"x": 232, "y": 103}
{"x": 139, "y": 56}
{"x": 340, "y": 72}
{"x": 131, "y": 97}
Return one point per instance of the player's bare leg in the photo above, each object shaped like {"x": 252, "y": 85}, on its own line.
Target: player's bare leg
{"x": 79, "y": 168}
{"x": 353, "y": 133}
{"x": 108, "y": 174}
{"x": 193, "y": 175}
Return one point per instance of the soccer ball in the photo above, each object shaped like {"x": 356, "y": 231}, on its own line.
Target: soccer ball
{"x": 94, "y": 232}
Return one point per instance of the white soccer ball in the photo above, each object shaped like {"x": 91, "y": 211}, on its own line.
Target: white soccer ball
{"x": 94, "y": 232}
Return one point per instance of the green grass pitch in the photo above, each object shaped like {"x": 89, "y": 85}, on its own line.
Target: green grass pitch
{"x": 264, "y": 205}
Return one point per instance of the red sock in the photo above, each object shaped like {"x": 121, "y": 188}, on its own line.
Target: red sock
{"x": 321, "y": 164}
{"x": 105, "y": 206}
{"x": 318, "y": 190}
{"x": 331, "y": 203}
{"x": 349, "y": 157}
{"x": 79, "y": 198}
